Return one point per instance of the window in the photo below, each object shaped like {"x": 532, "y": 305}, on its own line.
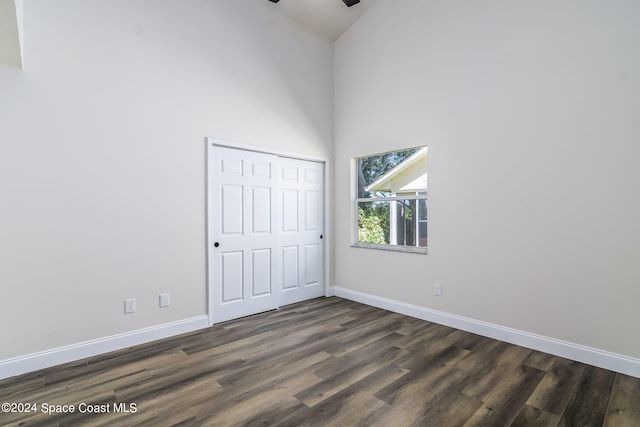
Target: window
{"x": 391, "y": 200}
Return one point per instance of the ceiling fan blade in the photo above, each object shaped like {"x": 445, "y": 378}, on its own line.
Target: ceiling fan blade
{"x": 349, "y": 3}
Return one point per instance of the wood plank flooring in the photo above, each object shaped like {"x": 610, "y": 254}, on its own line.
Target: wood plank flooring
{"x": 326, "y": 362}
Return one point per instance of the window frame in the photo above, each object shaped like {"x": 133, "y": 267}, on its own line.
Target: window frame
{"x": 355, "y": 202}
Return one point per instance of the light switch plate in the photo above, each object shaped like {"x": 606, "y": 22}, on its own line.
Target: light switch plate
{"x": 437, "y": 290}
{"x": 164, "y": 300}
{"x": 129, "y": 306}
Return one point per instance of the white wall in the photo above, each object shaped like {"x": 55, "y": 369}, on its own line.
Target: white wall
{"x": 102, "y": 152}
{"x": 531, "y": 111}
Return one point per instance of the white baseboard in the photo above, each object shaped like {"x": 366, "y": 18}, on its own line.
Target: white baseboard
{"x": 591, "y": 356}
{"x": 57, "y": 356}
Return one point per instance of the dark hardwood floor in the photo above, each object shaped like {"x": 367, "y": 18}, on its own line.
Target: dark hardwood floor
{"x": 326, "y": 362}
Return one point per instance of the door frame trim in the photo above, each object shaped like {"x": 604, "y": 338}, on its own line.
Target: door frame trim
{"x": 215, "y": 142}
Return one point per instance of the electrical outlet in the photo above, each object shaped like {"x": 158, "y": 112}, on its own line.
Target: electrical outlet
{"x": 437, "y": 290}
{"x": 129, "y": 306}
{"x": 164, "y": 300}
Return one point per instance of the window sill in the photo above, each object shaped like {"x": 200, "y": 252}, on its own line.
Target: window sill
{"x": 407, "y": 249}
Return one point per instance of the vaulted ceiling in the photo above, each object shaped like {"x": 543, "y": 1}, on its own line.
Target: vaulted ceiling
{"x": 330, "y": 18}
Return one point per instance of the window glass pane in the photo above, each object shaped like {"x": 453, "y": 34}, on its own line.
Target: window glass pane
{"x": 422, "y": 223}
{"x": 391, "y": 223}
{"x": 372, "y": 169}
{"x": 404, "y": 227}
{"x": 422, "y": 210}
{"x": 422, "y": 234}
{"x": 373, "y": 222}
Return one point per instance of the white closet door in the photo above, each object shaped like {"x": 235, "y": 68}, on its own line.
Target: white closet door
{"x": 301, "y": 229}
{"x": 243, "y": 233}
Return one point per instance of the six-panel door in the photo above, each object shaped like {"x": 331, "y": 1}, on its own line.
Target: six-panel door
{"x": 301, "y": 229}
{"x": 244, "y": 248}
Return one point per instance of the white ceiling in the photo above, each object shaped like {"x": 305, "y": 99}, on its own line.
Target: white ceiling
{"x": 328, "y": 17}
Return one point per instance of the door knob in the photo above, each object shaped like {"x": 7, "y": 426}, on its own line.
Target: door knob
{"x": 321, "y": 236}
{"x": 216, "y": 244}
